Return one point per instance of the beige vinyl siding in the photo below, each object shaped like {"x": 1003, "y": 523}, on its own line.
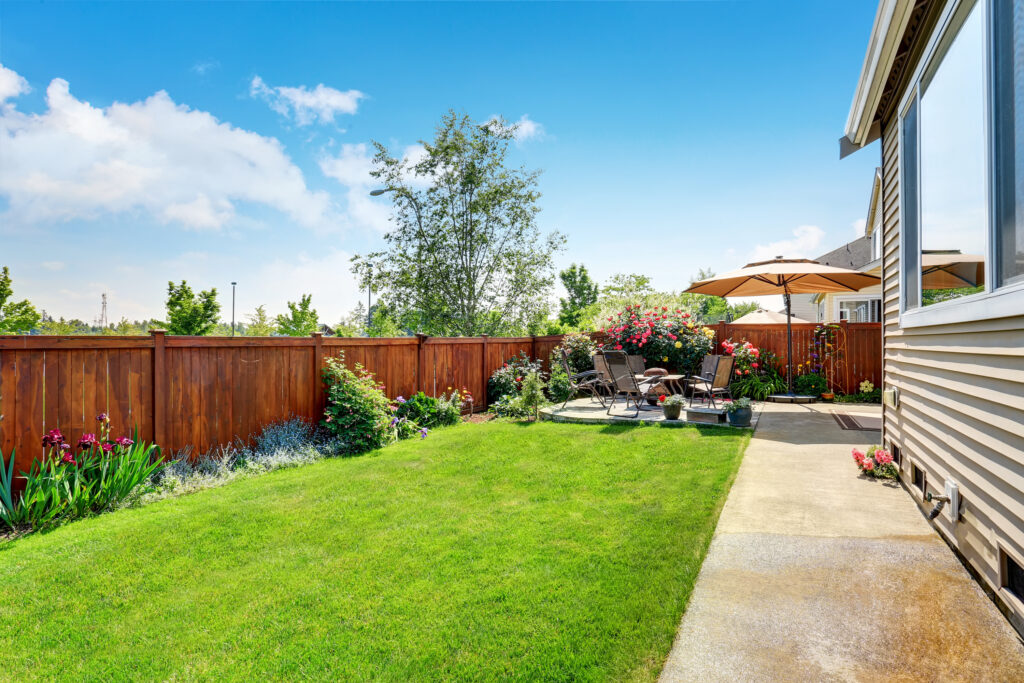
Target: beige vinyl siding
{"x": 961, "y": 413}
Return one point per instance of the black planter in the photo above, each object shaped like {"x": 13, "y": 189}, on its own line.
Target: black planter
{"x": 740, "y": 417}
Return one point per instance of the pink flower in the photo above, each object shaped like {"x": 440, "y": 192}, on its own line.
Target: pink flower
{"x": 123, "y": 441}
{"x": 869, "y": 465}
{"x": 87, "y": 441}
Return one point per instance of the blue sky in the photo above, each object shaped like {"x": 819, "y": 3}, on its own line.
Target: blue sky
{"x": 146, "y": 142}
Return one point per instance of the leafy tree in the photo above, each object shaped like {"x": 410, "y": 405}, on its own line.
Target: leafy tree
{"x": 632, "y": 286}
{"x": 62, "y": 327}
{"x": 16, "y": 317}
{"x": 582, "y": 293}
{"x": 465, "y": 256}
{"x": 383, "y": 323}
{"x": 188, "y": 313}
{"x": 354, "y": 324}
{"x": 260, "y": 324}
{"x": 302, "y": 319}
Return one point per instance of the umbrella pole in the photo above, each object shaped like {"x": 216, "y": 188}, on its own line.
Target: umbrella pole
{"x": 789, "y": 338}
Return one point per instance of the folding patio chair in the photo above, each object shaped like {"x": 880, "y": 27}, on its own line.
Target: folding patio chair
{"x": 624, "y": 381}
{"x": 588, "y": 381}
{"x": 714, "y": 379}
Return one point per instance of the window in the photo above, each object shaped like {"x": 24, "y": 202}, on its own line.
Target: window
{"x": 1008, "y": 130}
{"x": 860, "y": 310}
{"x": 917, "y": 476}
{"x": 962, "y": 168}
{"x": 1014, "y": 579}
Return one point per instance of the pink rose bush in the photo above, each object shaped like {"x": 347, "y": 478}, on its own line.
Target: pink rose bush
{"x": 665, "y": 337}
{"x": 877, "y": 462}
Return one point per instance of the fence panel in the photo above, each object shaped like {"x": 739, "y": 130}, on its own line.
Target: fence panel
{"x": 858, "y": 356}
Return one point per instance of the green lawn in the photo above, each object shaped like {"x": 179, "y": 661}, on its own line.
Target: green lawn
{"x": 486, "y": 551}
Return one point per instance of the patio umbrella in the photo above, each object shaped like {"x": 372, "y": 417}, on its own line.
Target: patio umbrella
{"x": 785, "y": 277}
{"x": 951, "y": 270}
{"x": 763, "y": 317}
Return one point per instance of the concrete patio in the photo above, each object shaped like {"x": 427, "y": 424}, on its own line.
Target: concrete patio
{"x": 818, "y": 574}
{"x": 590, "y": 411}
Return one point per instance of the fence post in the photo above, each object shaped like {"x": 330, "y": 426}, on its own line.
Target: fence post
{"x": 533, "y": 346}
{"x": 722, "y": 334}
{"x": 483, "y": 370}
{"x": 159, "y": 389}
{"x": 420, "y": 358}
{"x": 318, "y": 362}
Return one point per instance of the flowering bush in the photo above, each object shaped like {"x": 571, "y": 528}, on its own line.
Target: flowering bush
{"x": 357, "y": 413}
{"x": 877, "y": 462}
{"x": 665, "y": 338}
{"x": 508, "y": 379}
{"x": 755, "y": 374}
{"x": 99, "y": 473}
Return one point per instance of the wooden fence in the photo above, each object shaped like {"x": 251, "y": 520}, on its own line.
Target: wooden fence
{"x": 858, "y": 349}
{"x": 207, "y": 391}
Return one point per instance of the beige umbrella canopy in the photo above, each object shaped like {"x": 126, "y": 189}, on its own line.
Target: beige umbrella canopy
{"x": 763, "y": 317}
{"x": 951, "y": 270}
{"x": 785, "y": 277}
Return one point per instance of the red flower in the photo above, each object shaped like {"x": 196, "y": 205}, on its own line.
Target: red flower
{"x": 661, "y": 398}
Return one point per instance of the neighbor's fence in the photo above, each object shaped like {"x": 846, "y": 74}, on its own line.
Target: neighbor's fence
{"x": 208, "y": 391}
{"x": 858, "y": 346}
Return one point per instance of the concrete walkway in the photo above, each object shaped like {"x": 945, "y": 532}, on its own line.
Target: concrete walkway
{"x": 816, "y": 574}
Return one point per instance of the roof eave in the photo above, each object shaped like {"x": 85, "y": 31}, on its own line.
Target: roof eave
{"x": 891, "y": 21}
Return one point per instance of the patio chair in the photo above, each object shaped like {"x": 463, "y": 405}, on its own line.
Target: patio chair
{"x": 636, "y": 364}
{"x": 587, "y": 381}
{"x": 714, "y": 379}
{"x": 625, "y": 382}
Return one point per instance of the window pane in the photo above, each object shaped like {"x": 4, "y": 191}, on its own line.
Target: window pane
{"x": 859, "y": 310}
{"x": 954, "y": 209}
{"x": 1009, "y": 137}
{"x": 908, "y": 230}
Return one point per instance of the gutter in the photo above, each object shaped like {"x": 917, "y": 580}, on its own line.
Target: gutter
{"x": 891, "y": 21}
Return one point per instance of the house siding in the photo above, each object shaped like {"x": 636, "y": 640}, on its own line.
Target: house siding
{"x": 961, "y": 411}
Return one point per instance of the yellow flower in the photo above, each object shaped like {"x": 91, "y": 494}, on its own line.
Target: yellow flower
{"x": 690, "y": 325}
{"x": 665, "y": 359}
{"x": 679, "y": 344}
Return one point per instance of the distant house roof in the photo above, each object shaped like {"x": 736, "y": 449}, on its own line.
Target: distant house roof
{"x": 852, "y": 255}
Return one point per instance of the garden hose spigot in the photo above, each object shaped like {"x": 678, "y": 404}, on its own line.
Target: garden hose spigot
{"x": 940, "y": 502}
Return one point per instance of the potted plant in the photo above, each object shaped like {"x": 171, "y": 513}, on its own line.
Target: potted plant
{"x": 828, "y": 395}
{"x": 739, "y": 412}
{"x": 671, "y": 405}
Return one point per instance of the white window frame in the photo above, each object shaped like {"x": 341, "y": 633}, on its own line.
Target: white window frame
{"x": 995, "y": 301}
{"x": 855, "y": 297}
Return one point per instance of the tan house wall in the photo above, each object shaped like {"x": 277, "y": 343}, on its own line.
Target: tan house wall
{"x": 831, "y": 313}
{"x": 961, "y": 412}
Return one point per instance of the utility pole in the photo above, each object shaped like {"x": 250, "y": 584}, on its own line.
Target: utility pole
{"x": 233, "y": 308}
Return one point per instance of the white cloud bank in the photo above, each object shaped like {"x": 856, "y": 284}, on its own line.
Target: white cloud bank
{"x": 306, "y": 106}
{"x": 180, "y": 165}
{"x": 525, "y": 128}
{"x": 806, "y": 243}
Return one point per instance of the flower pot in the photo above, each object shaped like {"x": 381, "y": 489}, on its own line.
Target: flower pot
{"x": 740, "y": 417}
{"x": 828, "y": 395}
{"x": 672, "y": 412}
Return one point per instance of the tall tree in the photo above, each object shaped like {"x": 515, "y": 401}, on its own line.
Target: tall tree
{"x": 582, "y": 293}
{"x": 16, "y": 317}
{"x": 465, "y": 256}
{"x": 189, "y": 313}
{"x": 260, "y": 324}
{"x": 302, "y": 319}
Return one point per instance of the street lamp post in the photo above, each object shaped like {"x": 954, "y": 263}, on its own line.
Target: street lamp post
{"x": 233, "y": 308}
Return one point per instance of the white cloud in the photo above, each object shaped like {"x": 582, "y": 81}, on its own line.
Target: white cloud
{"x": 180, "y": 165}
{"x": 327, "y": 276}
{"x": 525, "y": 128}
{"x": 805, "y": 243}
{"x": 351, "y": 167}
{"x": 859, "y": 226}
{"x": 11, "y": 84}
{"x": 203, "y": 68}
{"x": 306, "y": 106}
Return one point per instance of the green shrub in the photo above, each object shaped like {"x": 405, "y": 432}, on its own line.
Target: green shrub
{"x": 580, "y": 349}
{"x": 507, "y": 380}
{"x": 532, "y": 394}
{"x": 810, "y": 384}
{"x": 873, "y": 396}
{"x": 509, "y": 406}
{"x": 430, "y": 412}
{"x": 358, "y": 413}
